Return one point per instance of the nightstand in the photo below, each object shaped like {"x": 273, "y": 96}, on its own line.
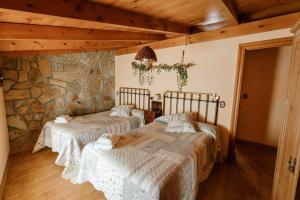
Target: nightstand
{"x": 149, "y": 116}
{"x": 156, "y": 106}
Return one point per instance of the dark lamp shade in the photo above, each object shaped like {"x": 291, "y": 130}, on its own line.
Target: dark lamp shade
{"x": 146, "y": 52}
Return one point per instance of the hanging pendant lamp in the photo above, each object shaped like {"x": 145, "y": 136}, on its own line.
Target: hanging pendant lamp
{"x": 146, "y": 55}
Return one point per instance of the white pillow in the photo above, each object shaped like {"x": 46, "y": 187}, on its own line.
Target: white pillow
{"x": 181, "y": 126}
{"x": 208, "y": 128}
{"x": 168, "y": 118}
{"x": 121, "y": 111}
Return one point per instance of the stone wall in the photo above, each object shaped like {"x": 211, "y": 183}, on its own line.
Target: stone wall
{"x": 39, "y": 88}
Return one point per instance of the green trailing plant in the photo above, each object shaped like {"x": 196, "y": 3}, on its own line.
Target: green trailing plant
{"x": 181, "y": 69}
{"x": 145, "y": 72}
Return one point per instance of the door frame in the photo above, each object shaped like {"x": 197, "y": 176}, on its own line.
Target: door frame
{"x": 279, "y": 42}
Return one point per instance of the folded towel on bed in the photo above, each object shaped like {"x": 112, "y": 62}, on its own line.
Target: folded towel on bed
{"x": 107, "y": 141}
{"x": 110, "y": 141}
{"x": 62, "y": 119}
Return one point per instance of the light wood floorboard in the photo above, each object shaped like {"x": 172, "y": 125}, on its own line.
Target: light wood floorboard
{"x": 36, "y": 177}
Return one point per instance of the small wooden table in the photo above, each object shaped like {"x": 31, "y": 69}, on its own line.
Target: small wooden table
{"x": 156, "y": 111}
{"x": 149, "y": 116}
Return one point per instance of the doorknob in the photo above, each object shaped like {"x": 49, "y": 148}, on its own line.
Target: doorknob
{"x": 245, "y": 96}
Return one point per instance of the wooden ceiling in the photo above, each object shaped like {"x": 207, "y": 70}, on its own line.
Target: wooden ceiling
{"x": 181, "y": 11}
{"x": 45, "y": 26}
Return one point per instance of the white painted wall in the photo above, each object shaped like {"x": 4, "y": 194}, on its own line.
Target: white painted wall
{"x": 215, "y": 70}
{"x": 4, "y": 144}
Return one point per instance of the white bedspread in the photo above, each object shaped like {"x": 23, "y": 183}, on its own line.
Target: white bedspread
{"x": 70, "y": 138}
{"x": 155, "y": 165}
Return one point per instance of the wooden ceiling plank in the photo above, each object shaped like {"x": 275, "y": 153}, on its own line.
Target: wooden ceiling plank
{"x": 209, "y": 27}
{"x": 275, "y": 23}
{"x": 188, "y": 12}
{"x": 229, "y": 11}
{"x": 76, "y": 12}
{"x": 27, "y": 31}
{"x": 31, "y": 45}
{"x": 272, "y": 11}
{"x": 50, "y": 52}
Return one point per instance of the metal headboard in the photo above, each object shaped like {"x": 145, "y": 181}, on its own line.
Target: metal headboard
{"x": 202, "y": 103}
{"x": 139, "y": 97}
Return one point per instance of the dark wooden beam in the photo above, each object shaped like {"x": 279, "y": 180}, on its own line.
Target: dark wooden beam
{"x": 83, "y": 14}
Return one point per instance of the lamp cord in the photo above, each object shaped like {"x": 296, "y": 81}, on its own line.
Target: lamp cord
{"x": 182, "y": 58}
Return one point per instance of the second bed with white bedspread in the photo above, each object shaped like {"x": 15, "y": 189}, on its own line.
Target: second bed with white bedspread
{"x": 155, "y": 165}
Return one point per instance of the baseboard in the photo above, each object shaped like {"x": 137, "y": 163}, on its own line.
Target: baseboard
{"x": 259, "y": 145}
{"x": 3, "y": 182}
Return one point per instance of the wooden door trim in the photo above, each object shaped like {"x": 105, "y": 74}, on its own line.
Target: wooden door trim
{"x": 291, "y": 179}
{"x": 279, "y": 42}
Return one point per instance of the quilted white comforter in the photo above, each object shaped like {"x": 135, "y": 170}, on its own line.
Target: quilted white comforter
{"x": 70, "y": 138}
{"x": 155, "y": 165}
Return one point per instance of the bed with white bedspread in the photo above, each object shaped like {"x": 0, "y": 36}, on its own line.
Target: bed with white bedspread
{"x": 68, "y": 139}
{"x": 155, "y": 165}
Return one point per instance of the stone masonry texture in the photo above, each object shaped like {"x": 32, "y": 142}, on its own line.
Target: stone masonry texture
{"x": 39, "y": 88}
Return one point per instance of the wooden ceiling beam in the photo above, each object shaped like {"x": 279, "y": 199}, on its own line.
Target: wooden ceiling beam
{"x": 271, "y": 12}
{"x": 27, "y": 31}
{"x": 275, "y": 23}
{"x": 229, "y": 11}
{"x": 50, "y": 52}
{"x": 32, "y": 45}
{"x": 83, "y": 14}
{"x": 209, "y": 27}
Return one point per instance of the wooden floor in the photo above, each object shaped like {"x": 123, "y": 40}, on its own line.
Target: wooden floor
{"x": 36, "y": 177}
{"x": 249, "y": 178}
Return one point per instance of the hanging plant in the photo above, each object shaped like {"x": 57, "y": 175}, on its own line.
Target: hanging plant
{"x": 145, "y": 72}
